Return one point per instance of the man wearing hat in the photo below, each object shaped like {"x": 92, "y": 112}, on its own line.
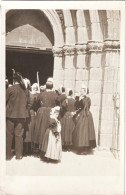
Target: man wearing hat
{"x": 16, "y": 103}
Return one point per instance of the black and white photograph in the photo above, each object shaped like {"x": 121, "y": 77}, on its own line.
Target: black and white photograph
{"x": 64, "y": 92}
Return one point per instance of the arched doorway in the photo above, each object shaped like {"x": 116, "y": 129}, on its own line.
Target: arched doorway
{"x": 29, "y": 43}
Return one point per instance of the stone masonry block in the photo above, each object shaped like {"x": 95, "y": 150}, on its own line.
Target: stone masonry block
{"x": 57, "y": 83}
{"x": 81, "y": 61}
{"x": 106, "y": 140}
{"x": 95, "y": 112}
{"x": 69, "y": 84}
{"x": 95, "y": 86}
{"x": 95, "y": 60}
{"x": 70, "y": 35}
{"x": 107, "y": 100}
{"x": 69, "y": 61}
{"x": 78, "y": 85}
{"x": 58, "y": 74}
{"x": 112, "y": 59}
{"x": 106, "y": 126}
{"x": 96, "y": 74}
{"x": 95, "y": 98}
{"x": 111, "y": 74}
{"x": 107, "y": 113}
{"x": 69, "y": 74}
{"x": 109, "y": 87}
{"x": 82, "y": 35}
{"x": 58, "y": 63}
{"x": 81, "y": 74}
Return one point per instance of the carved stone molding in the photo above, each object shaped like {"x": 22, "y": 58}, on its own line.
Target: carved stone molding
{"x": 57, "y": 51}
{"x": 94, "y": 46}
{"x": 69, "y": 50}
{"x": 111, "y": 45}
{"x": 81, "y": 49}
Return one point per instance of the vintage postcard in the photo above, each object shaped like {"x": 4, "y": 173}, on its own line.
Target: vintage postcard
{"x": 62, "y": 97}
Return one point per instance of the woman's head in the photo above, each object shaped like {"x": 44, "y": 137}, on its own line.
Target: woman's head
{"x": 70, "y": 92}
{"x": 27, "y": 84}
{"x": 42, "y": 88}
{"x": 35, "y": 87}
{"x": 61, "y": 89}
{"x": 84, "y": 90}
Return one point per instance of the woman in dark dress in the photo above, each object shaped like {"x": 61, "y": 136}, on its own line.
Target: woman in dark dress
{"x": 67, "y": 123}
{"x": 46, "y": 101}
{"x": 84, "y": 132}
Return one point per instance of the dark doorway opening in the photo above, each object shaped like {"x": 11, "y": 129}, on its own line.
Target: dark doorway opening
{"x": 28, "y": 63}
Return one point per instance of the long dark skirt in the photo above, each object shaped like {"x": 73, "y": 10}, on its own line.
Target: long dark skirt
{"x": 29, "y": 131}
{"x": 84, "y": 132}
{"x": 67, "y": 126}
{"x": 43, "y": 146}
{"x": 41, "y": 124}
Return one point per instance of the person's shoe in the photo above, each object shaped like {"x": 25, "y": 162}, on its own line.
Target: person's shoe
{"x": 19, "y": 157}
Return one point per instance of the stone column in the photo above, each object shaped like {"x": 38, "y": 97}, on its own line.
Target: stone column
{"x": 109, "y": 122}
{"x": 58, "y": 71}
{"x": 81, "y": 52}
{"x": 95, "y": 80}
{"x": 69, "y": 68}
{"x": 81, "y": 68}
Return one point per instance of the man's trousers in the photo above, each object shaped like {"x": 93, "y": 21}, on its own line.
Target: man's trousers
{"x": 14, "y": 127}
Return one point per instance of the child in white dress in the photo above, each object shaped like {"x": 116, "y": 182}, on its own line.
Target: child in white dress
{"x": 52, "y": 146}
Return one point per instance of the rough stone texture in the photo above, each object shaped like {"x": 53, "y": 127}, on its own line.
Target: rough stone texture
{"x": 107, "y": 100}
{"x": 78, "y": 85}
{"x": 82, "y": 35}
{"x": 112, "y": 59}
{"x": 111, "y": 74}
{"x": 80, "y": 18}
{"x": 81, "y": 74}
{"x": 69, "y": 61}
{"x": 70, "y": 35}
{"x": 58, "y": 63}
{"x": 69, "y": 84}
{"x": 95, "y": 86}
{"x": 69, "y": 74}
{"x": 106, "y": 140}
{"x": 95, "y": 99}
{"x": 96, "y": 74}
{"x": 81, "y": 61}
{"x": 58, "y": 75}
{"x": 107, "y": 113}
{"x": 109, "y": 87}
{"x": 95, "y": 111}
{"x": 108, "y": 126}
{"x": 58, "y": 83}
{"x": 95, "y": 60}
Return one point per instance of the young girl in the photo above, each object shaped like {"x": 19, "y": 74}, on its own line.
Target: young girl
{"x": 51, "y": 145}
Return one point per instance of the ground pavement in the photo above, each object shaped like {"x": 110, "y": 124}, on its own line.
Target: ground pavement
{"x": 101, "y": 163}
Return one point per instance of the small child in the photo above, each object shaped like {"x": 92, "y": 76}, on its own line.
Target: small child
{"x": 51, "y": 145}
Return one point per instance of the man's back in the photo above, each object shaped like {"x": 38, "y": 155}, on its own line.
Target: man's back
{"x": 16, "y": 100}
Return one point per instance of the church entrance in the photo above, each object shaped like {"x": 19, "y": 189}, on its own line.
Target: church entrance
{"x": 29, "y": 42}
{"x": 28, "y": 63}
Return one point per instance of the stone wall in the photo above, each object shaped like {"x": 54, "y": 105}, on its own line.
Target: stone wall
{"x": 91, "y": 55}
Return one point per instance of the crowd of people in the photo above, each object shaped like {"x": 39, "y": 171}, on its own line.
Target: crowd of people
{"x": 43, "y": 121}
